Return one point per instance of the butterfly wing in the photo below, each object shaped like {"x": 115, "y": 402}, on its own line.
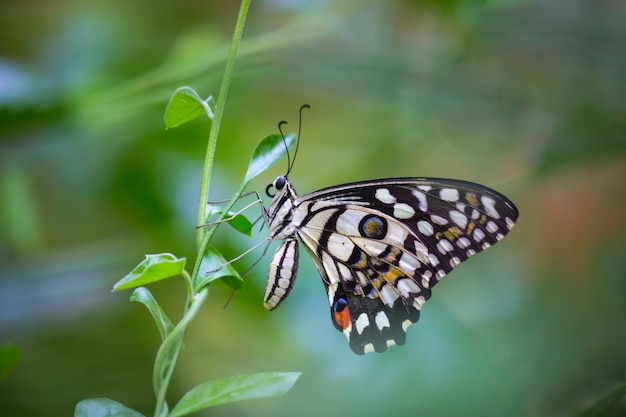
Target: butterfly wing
{"x": 380, "y": 246}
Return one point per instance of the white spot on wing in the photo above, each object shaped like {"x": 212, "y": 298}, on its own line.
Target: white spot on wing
{"x": 419, "y": 302}
{"x": 384, "y": 196}
{"x": 403, "y": 211}
{"x": 388, "y": 294}
{"x": 459, "y": 218}
{"x": 444, "y": 246}
{"x": 406, "y": 286}
{"x": 490, "y": 206}
{"x": 449, "y": 194}
{"x": 425, "y": 228}
{"x": 405, "y": 324}
{"x": 421, "y": 197}
{"x": 331, "y": 269}
{"x": 438, "y": 220}
{"x": 491, "y": 227}
{"x": 340, "y": 246}
{"x": 478, "y": 235}
{"x": 368, "y": 348}
{"x": 332, "y": 288}
{"x": 362, "y": 278}
{"x": 463, "y": 242}
{"x": 347, "y": 223}
{"x": 381, "y": 320}
{"x": 361, "y": 323}
{"x": 434, "y": 261}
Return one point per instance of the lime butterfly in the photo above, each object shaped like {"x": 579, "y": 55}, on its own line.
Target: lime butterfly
{"x": 380, "y": 246}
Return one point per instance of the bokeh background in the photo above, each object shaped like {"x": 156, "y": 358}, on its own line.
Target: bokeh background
{"x": 527, "y": 97}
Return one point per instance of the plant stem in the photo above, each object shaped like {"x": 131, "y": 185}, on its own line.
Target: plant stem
{"x": 165, "y": 361}
{"x": 215, "y": 125}
{"x": 211, "y": 231}
{"x": 167, "y": 355}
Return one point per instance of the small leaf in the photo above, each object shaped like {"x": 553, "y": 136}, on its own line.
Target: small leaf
{"x": 153, "y": 268}
{"x": 103, "y": 407}
{"x": 238, "y": 222}
{"x": 184, "y": 106}
{"x": 10, "y": 355}
{"x": 163, "y": 323}
{"x": 269, "y": 151}
{"x": 214, "y": 266}
{"x": 243, "y": 387}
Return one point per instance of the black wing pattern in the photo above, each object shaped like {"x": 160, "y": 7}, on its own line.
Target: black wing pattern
{"x": 380, "y": 246}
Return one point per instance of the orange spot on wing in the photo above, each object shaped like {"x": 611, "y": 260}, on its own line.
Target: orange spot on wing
{"x": 343, "y": 318}
{"x": 452, "y": 233}
{"x": 392, "y": 274}
{"x": 471, "y": 198}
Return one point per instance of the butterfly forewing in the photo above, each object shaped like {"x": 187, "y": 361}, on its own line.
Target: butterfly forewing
{"x": 380, "y": 246}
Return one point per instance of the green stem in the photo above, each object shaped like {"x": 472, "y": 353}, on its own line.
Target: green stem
{"x": 168, "y": 353}
{"x": 215, "y": 125}
{"x": 206, "y": 238}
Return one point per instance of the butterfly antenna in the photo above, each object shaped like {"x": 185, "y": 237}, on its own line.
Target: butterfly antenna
{"x": 304, "y": 106}
{"x": 280, "y": 129}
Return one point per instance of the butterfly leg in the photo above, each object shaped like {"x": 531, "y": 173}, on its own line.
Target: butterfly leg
{"x": 258, "y": 201}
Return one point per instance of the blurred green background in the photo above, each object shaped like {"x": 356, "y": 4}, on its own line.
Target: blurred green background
{"x": 527, "y": 97}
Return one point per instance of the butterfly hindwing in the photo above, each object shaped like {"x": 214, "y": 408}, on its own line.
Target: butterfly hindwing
{"x": 369, "y": 324}
{"x": 380, "y": 246}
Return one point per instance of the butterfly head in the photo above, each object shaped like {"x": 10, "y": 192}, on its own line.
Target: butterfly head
{"x": 280, "y": 212}
{"x": 279, "y": 184}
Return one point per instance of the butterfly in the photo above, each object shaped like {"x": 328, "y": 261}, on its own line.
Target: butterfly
{"x": 380, "y": 246}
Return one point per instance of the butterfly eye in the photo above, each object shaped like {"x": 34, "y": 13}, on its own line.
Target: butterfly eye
{"x": 279, "y": 183}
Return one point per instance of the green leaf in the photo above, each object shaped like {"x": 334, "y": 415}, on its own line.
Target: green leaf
{"x": 238, "y": 222}
{"x": 243, "y": 387}
{"x": 163, "y": 323}
{"x": 103, "y": 407}
{"x": 214, "y": 266}
{"x": 269, "y": 151}
{"x": 184, "y": 106}
{"x": 153, "y": 268}
{"x": 10, "y": 355}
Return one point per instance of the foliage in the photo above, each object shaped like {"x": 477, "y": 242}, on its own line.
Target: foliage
{"x": 185, "y": 105}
